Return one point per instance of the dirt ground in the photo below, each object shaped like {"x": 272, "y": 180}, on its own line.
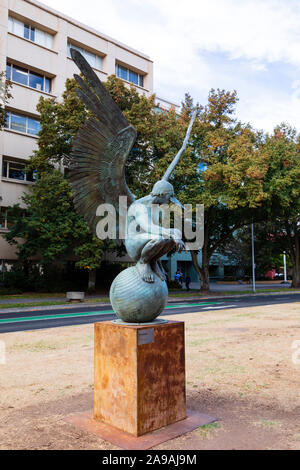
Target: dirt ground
{"x": 239, "y": 369}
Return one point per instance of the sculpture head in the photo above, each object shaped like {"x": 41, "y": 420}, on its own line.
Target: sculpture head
{"x": 163, "y": 192}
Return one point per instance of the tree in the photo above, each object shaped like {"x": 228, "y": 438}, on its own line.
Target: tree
{"x": 278, "y": 229}
{"x": 52, "y": 229}
{"x": 281, "y": 184}
{"x": 268, "y": 253}
{"x": 5, "y": 95}
{"x": 222, "y": 169}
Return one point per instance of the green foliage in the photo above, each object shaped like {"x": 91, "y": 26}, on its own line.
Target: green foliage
{"x": 9, "y": 291}
{"x": 60, "y": 121}
{"x": 281, "y": 150}
{"x": 5, "y": 96}
{"x": 268, "y": 253}
{"x": 278, "y": 228}
{"x": 89, "y": 253}
{"x": 51, "y": 230}
{"x": 50, "y": 226}
{"x": 282, "y": 187}
{"x": 174, "y": 284}
{"x": 29, "y": 277}
{"x": 229, "y": 181}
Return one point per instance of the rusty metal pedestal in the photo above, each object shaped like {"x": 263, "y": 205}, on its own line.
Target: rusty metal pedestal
{"x": 139, "y": 375}
{"x": 139, "y": 395}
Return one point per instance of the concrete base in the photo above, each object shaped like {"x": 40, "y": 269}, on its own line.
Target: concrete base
{"x": 126, "y": 441}
{"x": 75, "y": 297}
{"x": 139, "y": 375}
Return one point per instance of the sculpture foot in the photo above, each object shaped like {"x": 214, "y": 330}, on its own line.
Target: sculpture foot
{"x": 145, "y": 271}
{"x": 159, "y": 270}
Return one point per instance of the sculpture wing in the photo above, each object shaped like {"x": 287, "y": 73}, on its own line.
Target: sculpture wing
{"x": 100, "y": 149}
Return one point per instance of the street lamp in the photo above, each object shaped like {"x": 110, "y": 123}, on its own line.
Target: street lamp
{"x": 284, "y": 266}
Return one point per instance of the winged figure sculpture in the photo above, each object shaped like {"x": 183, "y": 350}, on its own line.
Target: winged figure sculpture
{"x": 97, "y": 176}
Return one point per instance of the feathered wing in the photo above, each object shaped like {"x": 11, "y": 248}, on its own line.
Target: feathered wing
{"x": 100, "y": 149}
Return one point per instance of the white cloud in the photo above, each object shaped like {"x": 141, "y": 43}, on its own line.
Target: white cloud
{"x": 175, "y": 33}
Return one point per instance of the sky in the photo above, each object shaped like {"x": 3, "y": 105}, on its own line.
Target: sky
{"x": 251, "y": 46}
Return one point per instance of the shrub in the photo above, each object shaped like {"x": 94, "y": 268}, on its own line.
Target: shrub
{"x": 173, "y": 284}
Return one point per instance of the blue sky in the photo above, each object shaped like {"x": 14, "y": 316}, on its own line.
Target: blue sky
{"x": 252, "y": 46}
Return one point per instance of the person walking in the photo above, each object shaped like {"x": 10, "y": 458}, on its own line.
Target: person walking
{"x": 187, "y": 282}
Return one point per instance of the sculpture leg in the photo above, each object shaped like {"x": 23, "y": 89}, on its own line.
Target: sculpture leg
{"x": 159, "y": 269}
{"x": 152, "y": 251}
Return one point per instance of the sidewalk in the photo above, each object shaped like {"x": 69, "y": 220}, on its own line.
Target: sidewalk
{"x": 171, "y": 299}
{"x": 215, "y": 287}
{"x": 233, "y": 286}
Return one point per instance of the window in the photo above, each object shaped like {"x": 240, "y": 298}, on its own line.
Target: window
{"x": 29, "y": 32}
{"x": 18, "y": 123}
{"x": 3, "y": 218}
{"x": 20, "y": 75}
{"x": 26, "y": 77}
{"x": 129, "y": 75}
{"x": 93, "y": 59}
{"x": 21, "y": 123}
{"x": 17, "y": 171}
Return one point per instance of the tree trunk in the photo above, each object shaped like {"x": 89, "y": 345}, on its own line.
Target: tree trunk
{"x": 296, "y": 277}
{"x": 92, "y": 280}
{"x": 295, "y": 258}
{"x": 203, "y": 272}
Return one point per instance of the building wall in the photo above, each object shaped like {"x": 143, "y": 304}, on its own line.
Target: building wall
{"x": 55, "y": 64}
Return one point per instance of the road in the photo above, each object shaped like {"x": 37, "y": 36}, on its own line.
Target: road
{"x": 58, "y": 316}
{"x": 214, "y": 287}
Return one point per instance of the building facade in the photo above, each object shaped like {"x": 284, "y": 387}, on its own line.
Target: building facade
{"x": 35, "y": 46}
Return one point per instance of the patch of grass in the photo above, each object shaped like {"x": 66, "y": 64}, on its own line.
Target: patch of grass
{"x": 233, "y": 370}
{"x": 33, "y": 304}
{"x": 49, "y": 303}
{"x": 100, "y": 299}
{"x": 33, "y": 347}
{"x": 199, "y": 342}
{"x": 207, "y": 430}
{"x": 248, "y": 315}
{"x": 258, "y": 291}
{"x": 268, "y": 424}
{"x": 34, "y": 295}
{"x": 195, "y": 292}
{"x": 250, "y": 386}
{"x": 192, "y": 293}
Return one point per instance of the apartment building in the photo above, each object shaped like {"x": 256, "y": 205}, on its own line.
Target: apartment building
{"x": 35, "y": 43}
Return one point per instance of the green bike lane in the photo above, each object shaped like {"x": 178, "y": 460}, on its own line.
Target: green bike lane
{"x": 18, "y": 321}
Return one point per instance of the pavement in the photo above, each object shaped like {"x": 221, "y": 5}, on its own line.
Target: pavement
{"x": 214, "y": 287}
{"x": 32, "y": 318}
{"x": 223, "y": 287}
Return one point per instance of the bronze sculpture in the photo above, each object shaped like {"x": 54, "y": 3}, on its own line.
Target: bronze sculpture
{"x": 139, "y": 293}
